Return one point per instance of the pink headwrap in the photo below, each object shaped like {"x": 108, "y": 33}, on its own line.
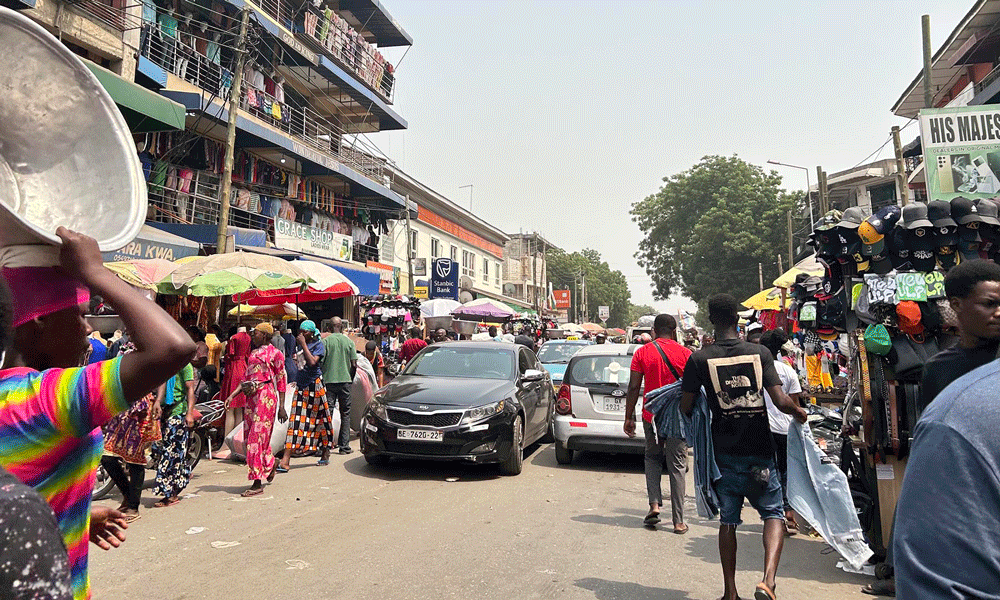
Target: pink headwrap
{"x": 41, "y": 291}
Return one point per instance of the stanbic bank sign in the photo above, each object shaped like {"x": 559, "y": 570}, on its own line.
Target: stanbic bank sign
{"x": 303, "y": 238}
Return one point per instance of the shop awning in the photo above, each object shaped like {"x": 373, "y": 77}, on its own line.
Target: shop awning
{"x": 144, "y": 110}
{"x": 208, "y": 234}
{"x": 154, "y": 243}
{"x": 366, "y": 280}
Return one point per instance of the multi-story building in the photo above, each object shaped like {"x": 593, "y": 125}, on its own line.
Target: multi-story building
{"x": 439, "y": 228}
{"x": 524, "y": 272}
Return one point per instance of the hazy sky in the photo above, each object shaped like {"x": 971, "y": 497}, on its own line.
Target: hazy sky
{"x": 562, "y": 114}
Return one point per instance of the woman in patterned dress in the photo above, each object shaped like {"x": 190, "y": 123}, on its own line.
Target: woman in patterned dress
{"x": 263, "y": 387}
{"x": 127, "y": 437}
{"x": 235, "y": 362}
{"x": 310, "y": 427}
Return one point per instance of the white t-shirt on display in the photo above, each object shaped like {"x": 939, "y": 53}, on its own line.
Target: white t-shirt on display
{"x": 790, "y": 385}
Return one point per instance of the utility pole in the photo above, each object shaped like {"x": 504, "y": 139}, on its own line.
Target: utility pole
{"x": 791, "y": 249}
{"x": 904, "y": 194}
{"x": 409, "y": 242}
{"x": 781, "y": 269}
{"x": 925, "y": 26}
{"x": 824, "y": 199}
{"x": 234, "y": 106}
{"x": 760, "y": 274}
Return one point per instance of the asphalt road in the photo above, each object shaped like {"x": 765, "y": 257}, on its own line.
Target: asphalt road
{"x": 406, "y": 531}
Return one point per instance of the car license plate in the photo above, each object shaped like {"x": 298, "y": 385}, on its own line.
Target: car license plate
{"x": 612, "y": 404}
{"x": 420, "y": 435}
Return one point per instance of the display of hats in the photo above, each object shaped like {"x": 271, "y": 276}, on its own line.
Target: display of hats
{"x": 914, "y": 215}
{"x": 828, "y": 221}
{"x": 852, "y": 218}
{"x": 946, "y": 256}
{"x": 877, "y": 339}
{"x": 833, "y": 279}
{"x": 988, "y": 211}
{"x": 946, "y": 235}
{"x": 964, "y": 211}
{"x": 899, "y": 252}
{"x": 949, "y": 319}
{"x": 939, "y": 213}
{"x": 875, "y": 227}
{"x": 921, "y": 244}
{"x": 909, "y": 316}
{"x": 930, "y": 316}
{"x": 827, "y": 334}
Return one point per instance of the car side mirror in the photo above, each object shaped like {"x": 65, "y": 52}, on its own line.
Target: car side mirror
{"x": 533, "y": 375}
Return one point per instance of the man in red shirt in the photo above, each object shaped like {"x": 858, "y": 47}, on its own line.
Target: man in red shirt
{"x": 659, "y": 363}
{"x": 411, "y": 346}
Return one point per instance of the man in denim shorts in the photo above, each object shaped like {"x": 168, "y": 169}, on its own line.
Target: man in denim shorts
{"x": 734, "y": 374}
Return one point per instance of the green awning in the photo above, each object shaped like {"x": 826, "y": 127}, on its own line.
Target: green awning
{"x": 144, "y": 110}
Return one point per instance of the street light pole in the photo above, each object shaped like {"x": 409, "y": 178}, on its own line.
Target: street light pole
{"x": 462, "y": 187}
{"x": 812, "y": 219}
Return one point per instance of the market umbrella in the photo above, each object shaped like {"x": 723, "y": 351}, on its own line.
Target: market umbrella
{"x": 591, "y": 327}
{"x": 438, "y": 307}
{"x": 327, "y": 284}
{"x": 769, "y": 299}
{"x": 232, "y": 273}
{"x": 285, "y": 311}
{"x": 616, "y": 331}
{"x": 483, "y": 307}
{"x": 572, "y": 327}
{"x": 143, "y": 273}
{"x": 809, "y": 266}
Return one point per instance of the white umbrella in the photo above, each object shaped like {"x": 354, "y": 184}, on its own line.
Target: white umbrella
{"x": 572, "y": 327}
{"x": 438, "y": 307}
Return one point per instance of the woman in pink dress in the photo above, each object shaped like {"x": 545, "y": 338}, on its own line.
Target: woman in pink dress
{"x": 236, "y": 355}
{"x": 263, "y": 387}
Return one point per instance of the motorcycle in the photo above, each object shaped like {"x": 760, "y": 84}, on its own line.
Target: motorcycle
{"x": 210, "y": 416}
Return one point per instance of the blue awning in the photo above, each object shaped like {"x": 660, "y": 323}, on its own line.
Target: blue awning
{"x": 314, "y": 162}
{"x": 154, "y": 243}
{"x": 367, "y": 281}
{"x": 208, "y": 234}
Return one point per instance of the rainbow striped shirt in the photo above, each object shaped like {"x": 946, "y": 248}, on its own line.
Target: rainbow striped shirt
{"x": 50, "y": 439}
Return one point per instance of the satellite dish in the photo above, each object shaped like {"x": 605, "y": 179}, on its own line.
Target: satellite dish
{"x": 465, "y": 296}
{"x": 465, "y": 283}
{"x": 509, "y": 289}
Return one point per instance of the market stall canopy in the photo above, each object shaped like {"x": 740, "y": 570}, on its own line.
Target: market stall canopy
{"x": 144, "y": 110}
{"x": 572, "y": 327}
{"x": 769, "y": 299}
{"x": 592, "y": 327}
{"x": 809, "y": 266}
{"x": 615, "y": 331}
{"x": 145, "y": 274}
{"x": 285, "y": 311}
{"x": 438, "y": 307}
{"x": 483, "y": 307}
{"x": 232, "y": 273}
{"x": 327, "y": 284}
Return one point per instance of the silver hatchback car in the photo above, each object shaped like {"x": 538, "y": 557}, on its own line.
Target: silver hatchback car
{"x": 590, "y": 405}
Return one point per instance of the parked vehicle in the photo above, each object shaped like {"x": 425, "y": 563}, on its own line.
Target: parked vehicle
{"x": 198, "y": 441}
{"x": 479, "y": 402}
{"x": 555, "y": 355}
{"x": 590, "y": 406}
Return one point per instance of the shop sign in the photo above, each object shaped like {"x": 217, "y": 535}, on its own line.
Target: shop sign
{"x": 421, "y": 289}
{"x": 140, "y": 249}
{"x": 420, "y": 267}
{"x": 388, "y": 279}
{"x": 961, "y": 148}
{"x": 603, "y": 312}
{"x": 444, "y": 279}
{"x": 911, "y": 286}
{"x": 303, "y": 238}
{"x": 562, "y": 298}
{"x": 881, "y": 289}
{"x": 458, "y": 231}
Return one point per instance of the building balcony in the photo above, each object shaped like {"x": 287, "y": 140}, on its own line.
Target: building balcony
{"x": 109, "y": 12}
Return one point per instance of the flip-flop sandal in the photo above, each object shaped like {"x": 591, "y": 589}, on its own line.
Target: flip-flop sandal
{"x": 323, "y": 462}
{"x": 280, "y": 470}
{"x": 651, "y": 519}
{"x": 681, "y": 530}
{"x": 884, "y": 587}
{"x": 252, "y": 492}
{"x": 165, "y": 503}
{"x": 763, "y": 593}
{"x": 131, "y": 518}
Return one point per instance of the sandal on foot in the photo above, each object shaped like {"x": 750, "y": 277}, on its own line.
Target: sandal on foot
{"x": 651, "y": 519}
{"x": 763, "y": 592}
{"x": 280, "y": 470}
{"x": 131, "y": 518}
{"x": 323, "y": 462}
{"x": 882, "y": 587}
{"x": 680, "y": 529}
{"x": 166, "y": 502}
{"x": 252, "y": 492}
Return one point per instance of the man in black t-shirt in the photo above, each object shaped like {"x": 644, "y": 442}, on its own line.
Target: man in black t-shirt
{"x": 32, "y": 554}
{"x": 973, "y": 290}
{"x": 734, "y": 374}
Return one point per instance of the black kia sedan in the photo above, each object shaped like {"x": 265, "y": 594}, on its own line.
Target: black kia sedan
{"x": 479, "y": 402}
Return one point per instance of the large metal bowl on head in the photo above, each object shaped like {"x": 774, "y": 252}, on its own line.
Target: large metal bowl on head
{"x": 433, "y": 323}
{"x": 66, "y": 155}
{"x": 464, "y": 327}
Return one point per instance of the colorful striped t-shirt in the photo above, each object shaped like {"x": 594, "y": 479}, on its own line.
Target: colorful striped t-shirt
{"x": 50, "y": 439}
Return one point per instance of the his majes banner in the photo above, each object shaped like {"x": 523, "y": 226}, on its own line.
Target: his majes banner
{"x": 961, "y": 148}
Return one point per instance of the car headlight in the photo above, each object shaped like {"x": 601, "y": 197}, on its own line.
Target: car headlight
{"x": 378, "y": 409}
{"x": 483, "y": 412}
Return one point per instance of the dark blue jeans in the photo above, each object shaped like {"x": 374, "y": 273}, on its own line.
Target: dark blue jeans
{"x": 341, "y": 394}
{"x": 738, "y": 483}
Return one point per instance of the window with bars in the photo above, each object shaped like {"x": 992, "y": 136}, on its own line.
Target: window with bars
{"x": 413, "y": 243}
{"x": 468, "y": 264}
{"x": 454, "y": 253}
{"x": 435, "y": 248}
{"x": 486, "y": 270}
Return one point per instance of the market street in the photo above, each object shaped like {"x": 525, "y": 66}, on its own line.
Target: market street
{"x": 351, "y": 531}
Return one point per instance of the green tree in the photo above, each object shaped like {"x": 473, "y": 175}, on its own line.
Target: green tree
{"x": 708, "y": 228}
{"x": 605, "y": 286}
{"x": 638, "y": 310}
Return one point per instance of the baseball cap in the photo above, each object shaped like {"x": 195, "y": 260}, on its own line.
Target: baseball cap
{"x": 939, "y": 212}
{"x": 964, "y": 211}
{"x": 828, "y": 221}
{"x": 875, "y": 227}
{"x": 988, "y": 210}
{"x": 900, "y": 251}
{"x": 829, "y": 242}
{"x": 946, "y": 235}
{"x": 909, "y": 317}
{"x": 921, "y": 244}
{"x": 852, "y": 218}
{"x": 915, "y": 215}
{"x": 947, "y": 257}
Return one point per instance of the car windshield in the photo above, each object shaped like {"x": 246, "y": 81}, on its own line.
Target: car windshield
{"x": 478, "y": 363}
{"x": 600, "y": 369}
{"x": 554, "y": 352}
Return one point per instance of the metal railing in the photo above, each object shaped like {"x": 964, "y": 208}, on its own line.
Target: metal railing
{"x": 340, "y": 42}
{"x": 111, "y": 12}
{"x": 179, "y": 54}
{"x": 990, "y": 78}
